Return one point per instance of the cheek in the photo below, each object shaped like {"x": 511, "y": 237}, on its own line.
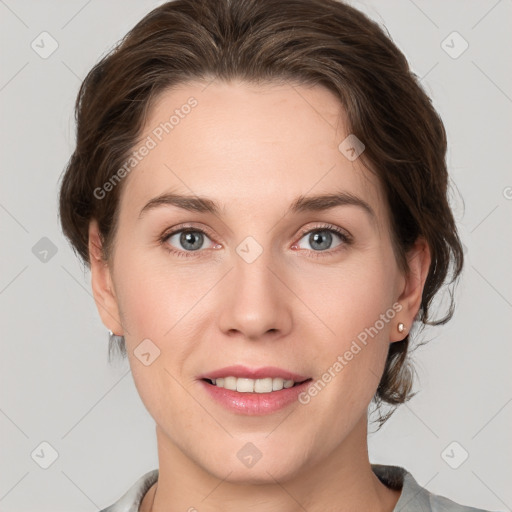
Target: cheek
{"x": 353, "y": 298}
{"x": 357, "y": 309}
{"x": 155, "y": 292}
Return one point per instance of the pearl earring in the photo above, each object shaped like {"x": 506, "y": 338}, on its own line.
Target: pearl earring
{"x": 400, "y": 327}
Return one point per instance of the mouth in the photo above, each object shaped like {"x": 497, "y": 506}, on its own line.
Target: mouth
{"x": 247, "y": 385}
{"x": 254, "y": 396}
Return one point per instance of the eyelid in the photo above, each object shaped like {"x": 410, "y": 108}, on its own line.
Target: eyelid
{"x": 186, "y": 226}
{"x": 330, "y": 227}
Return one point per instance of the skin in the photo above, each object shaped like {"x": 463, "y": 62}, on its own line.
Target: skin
{"x": 254, "y": 149}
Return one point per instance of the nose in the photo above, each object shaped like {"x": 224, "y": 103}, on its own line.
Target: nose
{"x": 255, "y": 302}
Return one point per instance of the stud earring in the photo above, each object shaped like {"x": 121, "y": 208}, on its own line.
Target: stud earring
{"x": 400, "y": 327}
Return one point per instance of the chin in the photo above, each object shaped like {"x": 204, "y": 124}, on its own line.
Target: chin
{"x": 256, "y": 462}
{"x": 259, "y": 474}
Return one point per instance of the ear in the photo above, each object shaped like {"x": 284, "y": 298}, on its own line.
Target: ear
{"x": 418, "y": 260}
{"x": 102, "y": 284}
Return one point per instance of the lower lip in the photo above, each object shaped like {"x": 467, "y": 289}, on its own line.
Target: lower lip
{"x": 253, "y": 404}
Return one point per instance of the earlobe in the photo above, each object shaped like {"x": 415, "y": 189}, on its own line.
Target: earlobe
{"x": 418, "y": 260}
{"x": 101, "y": 282}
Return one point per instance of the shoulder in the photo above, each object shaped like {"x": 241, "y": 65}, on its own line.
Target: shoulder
{"x": 130, "y": 501}
{"x": 415, "y": 498}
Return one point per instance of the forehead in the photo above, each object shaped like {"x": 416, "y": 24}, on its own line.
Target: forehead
{"x": 247, "y": 146}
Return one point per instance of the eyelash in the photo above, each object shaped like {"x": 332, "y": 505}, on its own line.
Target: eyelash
{"x": 345, "y": 238}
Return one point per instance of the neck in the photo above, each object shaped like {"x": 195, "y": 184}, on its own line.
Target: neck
{"x": 342, "y": 482}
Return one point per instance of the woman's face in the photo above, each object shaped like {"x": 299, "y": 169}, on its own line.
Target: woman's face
{"x": 264, "y": 281}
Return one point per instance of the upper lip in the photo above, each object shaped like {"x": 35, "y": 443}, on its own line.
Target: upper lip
{"x": 253, "y": 373}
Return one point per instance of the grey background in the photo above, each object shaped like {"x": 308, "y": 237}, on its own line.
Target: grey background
{"x": 56, "y": 384}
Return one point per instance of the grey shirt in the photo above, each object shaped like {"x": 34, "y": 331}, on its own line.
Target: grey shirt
{"x": 413, "y": 498}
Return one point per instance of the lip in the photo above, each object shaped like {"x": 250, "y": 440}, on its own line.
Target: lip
{"x": 244, "y": 372}
{"x": 255, "y": 404}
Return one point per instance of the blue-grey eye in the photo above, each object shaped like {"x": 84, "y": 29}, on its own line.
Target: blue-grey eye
{"x": 189, "y": 240}
{"x": 321, "y": 239}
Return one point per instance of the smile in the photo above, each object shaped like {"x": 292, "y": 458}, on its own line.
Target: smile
{"x": 244, "y": 385}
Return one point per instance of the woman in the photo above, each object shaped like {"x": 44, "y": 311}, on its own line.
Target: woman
{"x": 259, "y": 189}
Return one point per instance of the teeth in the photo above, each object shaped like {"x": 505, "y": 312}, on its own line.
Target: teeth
{"x": 266, "y": 385}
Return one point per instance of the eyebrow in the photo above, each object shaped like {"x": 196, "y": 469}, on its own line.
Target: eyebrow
{"x": 300, "y": 204}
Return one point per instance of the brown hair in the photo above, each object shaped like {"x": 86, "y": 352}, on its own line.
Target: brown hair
{"x": 310, "y": 42}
